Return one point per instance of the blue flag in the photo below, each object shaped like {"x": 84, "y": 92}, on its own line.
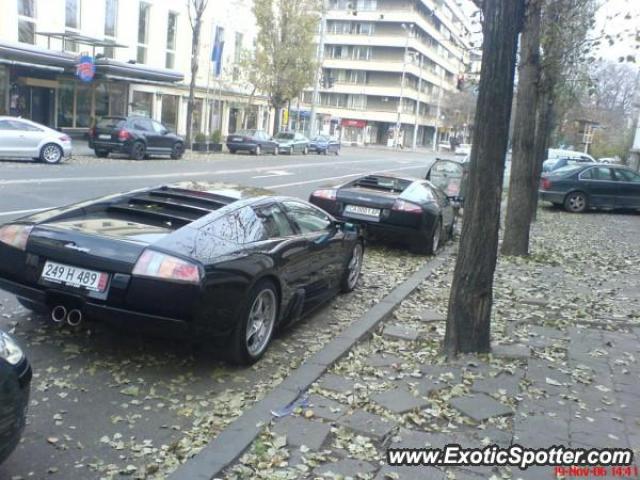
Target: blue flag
{"x": 218, "y": 48}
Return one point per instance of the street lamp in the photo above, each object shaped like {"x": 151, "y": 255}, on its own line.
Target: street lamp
{"x": 408, "y": 29}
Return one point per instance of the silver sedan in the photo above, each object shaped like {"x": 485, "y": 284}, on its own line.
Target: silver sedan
{"x": 23, "y": 139}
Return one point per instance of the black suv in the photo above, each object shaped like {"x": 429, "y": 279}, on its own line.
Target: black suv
{"x": 138, "y": 137}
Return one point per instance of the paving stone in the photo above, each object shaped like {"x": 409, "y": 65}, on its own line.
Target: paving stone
{"x": 326, "y": 408}
{"x": 533, "y": 473}
{"x": 377, "y": 360}
{"x": 515, "y": 351}
{"x": 399, "y": 332}
{"x": 534, "y": 426}
{"x": 399, "y": 400}
{"x": 367, "y": 424}
{"x": 504, "y": 381}
{"x": 347, "y": 467}
{"x": 336, "y": 383}
{"x": 480, "y": 406}
{"x": 302, "y": 432}
{"x": 495, "y": 436}
{"x": 410, "y": 473}
{"x": 432, "y": 316}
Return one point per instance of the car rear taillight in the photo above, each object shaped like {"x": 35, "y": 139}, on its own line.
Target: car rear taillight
{"x": 15, "y": 235}
{"x": 159, "y": 265}
{"x": 124, "y": 135}
{"x": 325, "y": 194}
{"x": 546, "y": 184}
{"x": 404, "y": 206}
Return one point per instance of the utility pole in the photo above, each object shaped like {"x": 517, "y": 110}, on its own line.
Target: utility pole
{"x": 404, "y": 74}
{"x": 415, "y": 127}
{"x": 316, "y": 80}
{"x": 435, "y": 131}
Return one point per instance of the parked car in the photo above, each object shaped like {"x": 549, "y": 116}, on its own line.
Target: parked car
{"x": 292, "y": 142}
{"x": 463, "y": 149}
{"x": 136, "y": 136}
{"x": 552, "y": 164}
{"x": 583, "y": 186}
{"x": 410, "y": 210}
{"x": 15, "y": 385}
{"x": 562, "y": 153}
{"x": 26, "y": 140}
{"x": 324, "y": 144}
{"x": 221, "y": 263}
{"x": 608, "y": 160}
{"x": 253, "y": 141}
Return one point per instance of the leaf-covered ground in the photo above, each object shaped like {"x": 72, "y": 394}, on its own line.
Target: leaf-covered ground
{"x": 565, "y": 368}
{"x": 107, "y": 403}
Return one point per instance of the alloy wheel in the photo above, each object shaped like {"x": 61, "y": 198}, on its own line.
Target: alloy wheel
{"x": 435, "y": 241}
{"x": 262, "y": 317}
{"x": 355, "y": 266}
{"x": 576, "y": 202}
{"x": 51, "y": 153}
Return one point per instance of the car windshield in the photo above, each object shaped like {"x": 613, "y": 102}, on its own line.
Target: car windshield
{"x": 246, "y": 133}
{"x": 285, "y": 136}
{"x": 111, "y": 122}
{"x": 321, "y": 139}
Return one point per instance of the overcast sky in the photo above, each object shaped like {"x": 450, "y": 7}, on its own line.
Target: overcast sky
{"x": 611, "y": 19}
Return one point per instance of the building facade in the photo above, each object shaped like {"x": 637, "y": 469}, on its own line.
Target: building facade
{"x": 65, "y": 63}
{"x": 387, "y": 63}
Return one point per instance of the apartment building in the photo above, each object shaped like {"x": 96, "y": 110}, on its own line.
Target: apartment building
{"x": 65, "y": 63}
{"x": 370, "y": 47}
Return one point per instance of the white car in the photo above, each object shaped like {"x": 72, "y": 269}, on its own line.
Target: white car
{"x": 23, "y": 139}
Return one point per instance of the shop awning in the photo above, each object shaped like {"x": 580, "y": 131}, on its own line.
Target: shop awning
{"x": 30, "y": 54}
{"x": 136, "y": 71}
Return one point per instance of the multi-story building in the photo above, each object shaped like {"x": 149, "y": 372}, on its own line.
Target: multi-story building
{"x": 370, "y": 46}
{"x": 140, "y": 53}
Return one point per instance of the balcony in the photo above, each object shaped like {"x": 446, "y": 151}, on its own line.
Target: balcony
{"x": 370, "y": 115}
{"x": 390, "y": 91}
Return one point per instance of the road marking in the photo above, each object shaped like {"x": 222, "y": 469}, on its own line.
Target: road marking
{"x": 20, "y": 212}
{"x": 326, "y": 179}
{"x": 275, "y": 173}
{"x": 28, "y": 181}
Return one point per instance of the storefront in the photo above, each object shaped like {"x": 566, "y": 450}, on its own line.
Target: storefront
{"x": 353, "y": 131}
{"x": 55, "y": 88}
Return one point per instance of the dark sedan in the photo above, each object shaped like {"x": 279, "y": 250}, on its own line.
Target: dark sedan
{"x": 252, "y": 141}
{"x": 137, "y": 137}
{"x": 323, "y": 144}
{"x": 15, "y": 381}
{"x": 410, "y": 210}
{"x": 584, "y": 186}
{"x": 216, "y": 262}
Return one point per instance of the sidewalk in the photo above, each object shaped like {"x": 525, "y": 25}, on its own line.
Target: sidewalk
{"x": 564, "y": 369}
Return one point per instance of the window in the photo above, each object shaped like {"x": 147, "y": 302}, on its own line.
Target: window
{"x": 72, "y": 14}
{"x": 240, "y": 226}
{"x": 169, "y": 114}
{"x": 110, "y": 25}
{"x": 361, "y": 53}
{"x": 172, "y": 27}
{"x": 627, "y": 175}
{"x": 143, "y": 32}
{"x": 22, "y": 126}
{"x": 26, "y": 21}
{"x": 117, "y": 98}
{"x": 237, "y": 55}
{"x": 158, "y": 128}
{"x": 142, "y": 104}
{"x": 141, "y": 124}
{"x": 66, "y": 92}
{"x": 597, "y": 173}
{"x": 274, "y": 221}
{"x": 307, "y": 218}
{"x": 6, "y": 125}
{"x": 83, "y": 105}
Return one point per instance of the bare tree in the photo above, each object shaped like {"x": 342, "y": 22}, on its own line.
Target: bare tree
{"x": 471, "y": 297}
{"x": 196, "y": 9}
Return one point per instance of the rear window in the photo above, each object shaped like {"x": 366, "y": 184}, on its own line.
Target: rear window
{"x": 245, "y": 133}
{"x": 568, "y": 170}
{"x": 111, "y": 122}
{"x": 285, "y": 136}
{"x": 388, "y": 184}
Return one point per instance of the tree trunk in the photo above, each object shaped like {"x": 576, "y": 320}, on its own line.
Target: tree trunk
{"x": 195, "y": 48}
{"x": 276, "y": 120}
{"x": 470, "y": 301}
{"x": 522, "y": 187}
{"x": 544, "y": 125}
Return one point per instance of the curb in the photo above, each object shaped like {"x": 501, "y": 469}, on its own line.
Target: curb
{"x": 231, "y": 443}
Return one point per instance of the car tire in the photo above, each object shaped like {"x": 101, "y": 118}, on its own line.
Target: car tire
{"x": 232, "y": 152}
{"x": 430, "y": 244}
{"x": 177, "y": 151}
{"x": 51, "y": 154}
{"x": 305, "y": 151}
{"x": 247, "y": 348}
{"x": 576, "y": 202}
{"x": 353, "y": 269}
{"x": 102, "y": 153}
{"x": 138, "y": 151}
{"x": 258, "y": 150}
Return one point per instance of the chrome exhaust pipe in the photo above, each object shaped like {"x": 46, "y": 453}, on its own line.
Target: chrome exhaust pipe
{"x": 74, "y": 318}
{"x": 58, "y": 314}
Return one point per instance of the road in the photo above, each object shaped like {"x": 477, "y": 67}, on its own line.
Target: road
{"x": 107, "y": 402}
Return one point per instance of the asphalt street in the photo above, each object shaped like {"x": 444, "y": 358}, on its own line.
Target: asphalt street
{"x": 106, "y": 402}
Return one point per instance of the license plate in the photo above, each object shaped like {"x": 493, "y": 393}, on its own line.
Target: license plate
{"x": 236, "y": 139}
{"x": 104, "y": 137}
{"x": 75, "y": 277}
{"x": 366, "y": 211}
